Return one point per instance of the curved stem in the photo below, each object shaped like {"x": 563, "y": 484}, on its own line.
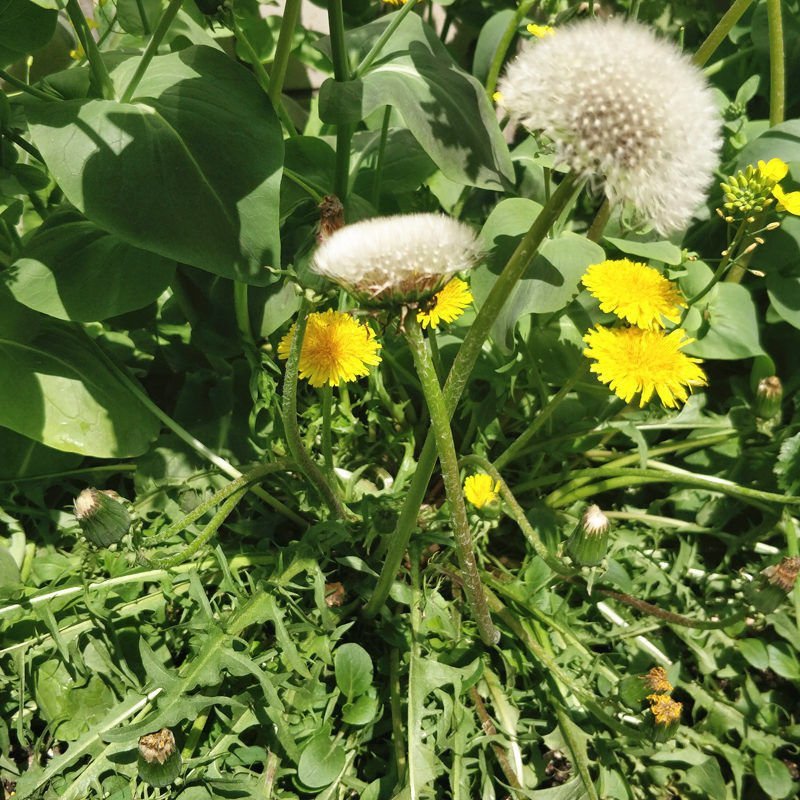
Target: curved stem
{"x": 289, "y": 415}
{"x": 777, "y": 63}
{"x": 11, "y": 80}
{"x": 242, "y": 312}
{"x": 374, "y": 52}
{"x": 721, "y": 30}
{"x": 454, "y": 386}
{"x": 167, "y": 17}
{"x": 448, "y": 460}
{"x": 291, "y": 13}
{"x": 327, "y": 448}
{"x": 376, "y": 183}
{"x": 505, "y": 42}
{"x": 595, "y": 232}
{"x": 96, "y": 63}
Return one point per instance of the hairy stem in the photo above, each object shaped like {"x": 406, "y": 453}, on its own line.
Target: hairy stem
{"x": 777, "y": 63}
{"x": 721, "y": 30}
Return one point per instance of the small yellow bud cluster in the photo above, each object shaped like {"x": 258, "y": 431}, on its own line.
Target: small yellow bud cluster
{"x": 747, "y": 193}
{"x": 666, "y": 711}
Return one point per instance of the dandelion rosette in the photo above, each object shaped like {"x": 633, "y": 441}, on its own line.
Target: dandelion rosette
{"x": 618, "y": 102}
{"x": 634, "y": 292}
{"x": 336, "y": 347}
{"x": 635, "y": 361}
{"x": 447, "y": 305}
{"x": 396, "y": 260}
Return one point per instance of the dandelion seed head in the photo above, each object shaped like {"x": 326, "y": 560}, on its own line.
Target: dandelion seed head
{"x": 403, "y": 258}
{"x": 618, "y": 102}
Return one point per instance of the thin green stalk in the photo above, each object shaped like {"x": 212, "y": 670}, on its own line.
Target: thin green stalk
{"x": 721, "y": 30}
{"x": 505, "y": 42}
{"x": 316, "y": 193}
{"x": 291, "y": 13}
{"x": 516, "y": 448}
{"x": 218, "y": 461}
{"x": 595, "y": 232}
{"x": 720, "y": 64}
{"x": 242, "y": 311}
{"x": 792, "y": 549}
{"x": 777, "y": 63}
{"x": 167, "y": 17}
{"x": 376, "y": 182}
{"x": 11, "y": 80}
{"x": 518, "y": 513}
{"x": 290, "y": 425}
{"x": 456, "y": 381}
{"x": 96, "y": 63}
{"x": 374, "y": 52}
{"x": 23, "y": 144}
{"x": 143, "y": 17}
{"x": 327, "y": 448}
{"x": 341, "y": 74}
{"x": 448, "y": 460}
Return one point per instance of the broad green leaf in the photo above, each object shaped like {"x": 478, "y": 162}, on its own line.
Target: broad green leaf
{"x": 361, "y": 711}
{"x": 446, "y": 109}
{"x": 783, "y": 662}
{"x": 754, "y": 652}
{"x": 353, "y": 669}
{"x": 321, "y": 761}
{"x": 182, "y": 171}
{"x": 707, "y": 778}
{"x": 784, "y": 294}
{"x": 138, "y": 17}
{"x": 55, "y": 389}
{"x": 76, "y": 271}
{"x": 782, "y": 141}
{"x": 24, "y": 27}
{"x": 488, "y": 42}
{"x": 553, "y": 277}
{"x": 663, "y": 251}
{"x": 24, "y": 457}
{"x": 787, "y": 467}
{"x": 772, "y": 776}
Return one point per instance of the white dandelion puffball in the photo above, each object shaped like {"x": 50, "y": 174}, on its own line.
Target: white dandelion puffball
{"x": 403, "y": 258}
{"x": 621, "y": 103}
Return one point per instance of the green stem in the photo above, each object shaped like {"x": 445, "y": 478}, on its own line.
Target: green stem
{"x": 792, "y": 549}
{"x": 521, "y": 442}
{"x": 291, "y": 13}
{"x": 8, "y": 78}
{"x": 462, "y": 367}
{"x": 505, "y": 42}
{"x": 143, "y": 17}
{"x": 242, "y": 311}
{"x": 722, "y": 63}
{"x": 376, "y": 182}
{"x": 721, "y": 30}
{"x": 290, "y": 425}
{"x": 448, "y": 460}
{"x": 96, "y": 64}
{"x": 595, "y": 232}
{"x": 518, "y": 513}
{"x": 394, "y": 22}
{"x": 327, "y": 448}
{"x": 23, "y": 144}
{"x": 316, "y": 193}
{"x": 167, "y": 17}
{"x": 777, "y": 63}
{"x": 341, "y": 74}
{"x": 218, "y": 461}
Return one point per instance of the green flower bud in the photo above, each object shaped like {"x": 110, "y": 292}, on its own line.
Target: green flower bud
{"x": 104, "y": 519}
{"x": 773, "y": 584}
{"x": 769, "y": 397}
{"x": 589, "y": 541}
{"x": 159, "y": 760}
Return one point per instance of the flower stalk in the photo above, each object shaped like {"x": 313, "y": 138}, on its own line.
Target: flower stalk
{"x": 96, "y": 63}
{"x": 777, "y": 63}
{"x": 720, "y": 31}
{"x": 440, "y": 422}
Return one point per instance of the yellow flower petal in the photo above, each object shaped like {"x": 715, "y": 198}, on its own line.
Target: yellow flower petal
{"x": 336, "y": 348}
{"x": 665, "y": 709}
{"x": 634, "y": 361}
{"x": 541, "y": 31}
{"x": 634, "y": 292}
{"x": 787, "y": 202}
{"x": 446, "y": 305}
{"x": 774, "y": 170}
{"x": 480, "y": 489}
{"x": 497, "y": 97}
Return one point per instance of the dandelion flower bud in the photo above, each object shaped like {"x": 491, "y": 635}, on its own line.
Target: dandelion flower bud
{"x": 666, "y": 716}
{"x": 395, "y": 260}
{"x": 769, "y": 396}
{"x": 773, "y": 584}
{"x": 103, "y": 518}
{"x": 159, "y": 760}
{"x": 589, "y": 541}
{"x": 618, "y": 102}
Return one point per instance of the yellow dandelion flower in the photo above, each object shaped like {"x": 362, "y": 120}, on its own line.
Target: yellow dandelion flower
{"x": 773, "y": 170}
{"x": 446, "y": 305}
{"x": 657, "y": 680}
{"x": 633, "y": 360}
{"x": 480, "y": 489}
{"x": 336, "y": 348}
{"x": 665, "y": 710}
{"x": 634, "y": 292}
{"x": 541, "y": 31}
{"x": 787, "y": 202}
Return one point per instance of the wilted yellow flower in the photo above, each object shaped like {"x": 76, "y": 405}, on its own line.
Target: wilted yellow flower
{"x": 633, "y": 360}
{"x": 787, "y": 202}
{"x": 666, "y": 711}
{"x": 480, "y": 489}
{"x": 657, "y": 680}
{"x": 634, "y": 292}
{"x": 446, "y": 305}
{"x": 336, "y": 348}
{"x": 541, "y": 31}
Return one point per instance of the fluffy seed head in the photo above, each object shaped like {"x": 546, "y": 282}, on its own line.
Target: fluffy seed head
{"x": 397, "y": 259}
{"x": 620, "y": 103}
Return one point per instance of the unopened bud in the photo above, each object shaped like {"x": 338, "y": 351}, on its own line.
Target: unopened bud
{"x": 749, "y": 249}
{"x": 773, "y": 584}
{"x": 159, "y": 760}
{"x": 759, "y": 240}
{"x": 769, "y": 397}
{"x": 772, "y": 226}
{"x": 103, "y": 518}
{"x": 589, "y": 541}
{"x": 757, "y": 273}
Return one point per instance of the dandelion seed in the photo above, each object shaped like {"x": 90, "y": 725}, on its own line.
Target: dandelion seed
{"x": 481, "y": 489}
{"x": 395, "y": 260}
{"x": 335, "y": 348}
{"x": 618, "y": 102}
{"x": 634, "y": 292}
{"x": 635, "y": 361}
{"x": 447, "y": 304}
